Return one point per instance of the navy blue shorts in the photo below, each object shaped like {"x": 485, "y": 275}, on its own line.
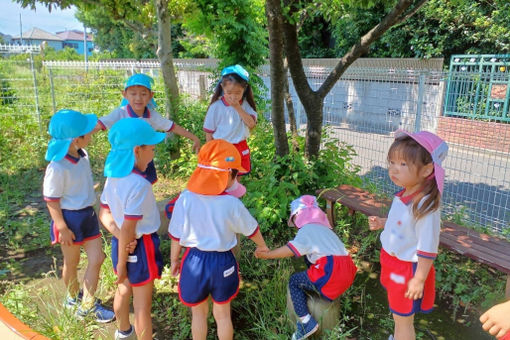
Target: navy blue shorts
{"x": 145, "y": 263}
{"x": 83, "y": 223}
{"x": 205, "y": 273}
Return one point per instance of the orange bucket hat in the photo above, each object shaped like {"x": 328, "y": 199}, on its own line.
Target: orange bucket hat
{"x": 215, "y": 160}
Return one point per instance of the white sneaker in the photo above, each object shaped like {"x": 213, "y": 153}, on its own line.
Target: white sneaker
{"x": 131, "y": 335}
{"x": 391, "y": 337}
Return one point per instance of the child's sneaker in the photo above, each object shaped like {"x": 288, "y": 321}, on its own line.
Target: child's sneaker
{"x": 304, "y": 330}
{"x": 119, "y": 335}
{"x": 102, "y": 314}
{"x": 71, "y": 303}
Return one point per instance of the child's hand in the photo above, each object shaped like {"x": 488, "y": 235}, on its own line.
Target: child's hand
{"x": 196, "y": 145}
{"x": 66, "y": 236}
{"x": 130, "y": 247}
{"x": 233, "y": 100}
{"x": 496, "y": 320}
{"x": 376, "y": 223}
{"x": 175, "y": 267}
{"x": 415, "y": 289}
{"x": 261, "y": 252}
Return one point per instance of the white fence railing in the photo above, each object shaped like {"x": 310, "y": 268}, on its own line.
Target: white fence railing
{"x": 12, "y": 48}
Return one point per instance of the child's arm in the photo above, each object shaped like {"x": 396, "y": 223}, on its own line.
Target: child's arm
{"x": 496, "y": 320}
{"x": 208, "y": 137}
{"x": 278, "y": 253}
{"x": 127, "y": 235}
{"x": 376, "y": 222}
{"x": 416, "y": 284}
{"x": 179, "y": 130}
{"x": 175, "y": 261}
{"x": 247, "y": 118}
{"x": 66, "y": 235}
{"x": 259, "y": 241}
{"x": 106, "y": 218}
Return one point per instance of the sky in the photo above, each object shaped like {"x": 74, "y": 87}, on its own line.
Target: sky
{"x": 55, "y": 21}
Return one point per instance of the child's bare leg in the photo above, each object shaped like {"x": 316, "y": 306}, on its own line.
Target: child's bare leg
{"x": 199, "y": 320}
{"x": 121, "y": 304}
{"x": 221, "y": 314}
{"x": 142, "y": 303}
{"x": 95, "y": 258}
{"x": 404, "y": 327}
{"x": 70, "y": 269}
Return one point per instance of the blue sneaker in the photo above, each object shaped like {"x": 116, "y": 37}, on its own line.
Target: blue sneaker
{"x": 304, "y": 330}
{"x": 102, "y": 314}
{"x": 71, "y": 303}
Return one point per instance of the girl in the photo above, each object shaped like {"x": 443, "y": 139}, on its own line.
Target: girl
{"x": 331, "y": 270}
{"x": 411, "y": 232}
{"x": 231, "y": 114}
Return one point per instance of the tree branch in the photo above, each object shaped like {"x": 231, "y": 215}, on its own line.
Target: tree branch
{"x": 364, "y": 43}
{"x": 412, "y": 12}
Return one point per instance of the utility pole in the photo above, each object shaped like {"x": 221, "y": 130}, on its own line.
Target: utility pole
{"x": 20, "y": 31}
{"x": 85, "y": 47}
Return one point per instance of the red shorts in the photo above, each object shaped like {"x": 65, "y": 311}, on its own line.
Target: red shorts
{"x": 244, "y": 150}
{"x": 395, "y": 275}
{"x": 332, "y": 275}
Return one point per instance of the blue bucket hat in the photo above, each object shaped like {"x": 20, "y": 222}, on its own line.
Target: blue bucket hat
{"x": 237, "y": 69}
{"x": 65, "y": 125}
{"x": 124, "y": 135}
{"x": 139, "y": 79}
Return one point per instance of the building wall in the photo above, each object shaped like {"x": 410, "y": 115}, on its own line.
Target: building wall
{"x": 78, "y": 45}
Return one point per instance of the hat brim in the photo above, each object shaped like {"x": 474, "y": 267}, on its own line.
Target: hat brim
{"x": 208, "y": 182}
{"x": 439, "y": 174}
{"x": 57, "y": 149}
{"x": 119, "y": 163}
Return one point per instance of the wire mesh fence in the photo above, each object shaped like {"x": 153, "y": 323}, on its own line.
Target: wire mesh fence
{"x": 372, "y": 100}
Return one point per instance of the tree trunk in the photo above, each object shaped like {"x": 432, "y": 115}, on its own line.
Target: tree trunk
{"x": 164, "y": 53}
{"x": 278, "y": 75}
{"x": 288, "y": 101}
{"x": 313, "y": 100}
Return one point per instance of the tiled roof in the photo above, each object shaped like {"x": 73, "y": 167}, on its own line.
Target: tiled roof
{"x": 73, "y": 35}
{"x": 39, "y": 34}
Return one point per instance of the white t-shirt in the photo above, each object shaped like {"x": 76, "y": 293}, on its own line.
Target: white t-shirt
{"x": 223, "y": 121}
{"x": 152, "y": 117}
{"x": 69, "y": 181}
{"x": 407, "y": 238}
{"x": 316, "y": 241}
{"x": 210, "y": 223}
{"x": 131, "y": 197}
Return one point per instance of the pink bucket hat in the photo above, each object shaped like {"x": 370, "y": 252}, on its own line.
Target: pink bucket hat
{"x": 306, "y": 210}
{"x": 437, "y": 148}
{"x": 237, "y": 190}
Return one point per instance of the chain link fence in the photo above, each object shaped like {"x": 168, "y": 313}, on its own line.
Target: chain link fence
{"x": 373, "y": 98}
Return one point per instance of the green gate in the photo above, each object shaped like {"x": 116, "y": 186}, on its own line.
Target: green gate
{"x": 478, "y": 87}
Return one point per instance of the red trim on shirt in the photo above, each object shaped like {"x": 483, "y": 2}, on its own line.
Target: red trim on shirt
{"x": 104, "y": 205}
{"x": 294, "y": 250}
{"x": 209, "y": 131}
{"x": 51, "y": 199}
{"x": 407, "y": 199}
{"x": 103, "y": 127}
{"x": 72, "y": 159}
{"x": 173, "y": 237}
{"x": 133, "y": 217}
{"x": 253, "y": 234}
{"x": 133, "y": 114}
{"x": 138, "y": 172}
{"x": 171, "y": 127}
{"x": 426, "y": 254}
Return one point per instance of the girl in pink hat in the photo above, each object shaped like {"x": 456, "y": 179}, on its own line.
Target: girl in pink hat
{"x": 411, "y": 232}
{"x": 331, "y": 270}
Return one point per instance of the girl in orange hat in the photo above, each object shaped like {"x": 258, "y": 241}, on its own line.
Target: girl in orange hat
{"x": 205, "y": 220}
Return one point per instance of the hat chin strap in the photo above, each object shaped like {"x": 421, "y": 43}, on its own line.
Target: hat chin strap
{"x": 210, "y": 167}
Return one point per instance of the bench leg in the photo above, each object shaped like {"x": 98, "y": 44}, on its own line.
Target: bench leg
{"x": 507, "y": 290}
{"x": 330, "y": 212}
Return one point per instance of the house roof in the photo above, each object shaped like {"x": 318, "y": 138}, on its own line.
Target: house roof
{"x": 73, "y": 35}
{"x": 38, "y": 34}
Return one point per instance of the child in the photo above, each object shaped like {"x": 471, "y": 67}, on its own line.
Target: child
{"x": 129, "y": 212}
{"x": 205, "y": 221}
{"x": 138, "y": 102}
{"x": 231, "y": 114}
{"x": 496, "y": 321}
{"x": 331, "y": 270}
{"x": 68, "y": 190}
{"x": 411, "y": 232}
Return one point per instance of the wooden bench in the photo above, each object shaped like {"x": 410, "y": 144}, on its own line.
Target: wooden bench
{"x": 489, "y": 250}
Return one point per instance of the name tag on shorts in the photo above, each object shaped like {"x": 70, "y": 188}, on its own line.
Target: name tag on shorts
{"x": 229, "y": 271}
{"x": 245, "y": 152}
{"x": 132, "y": 259}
